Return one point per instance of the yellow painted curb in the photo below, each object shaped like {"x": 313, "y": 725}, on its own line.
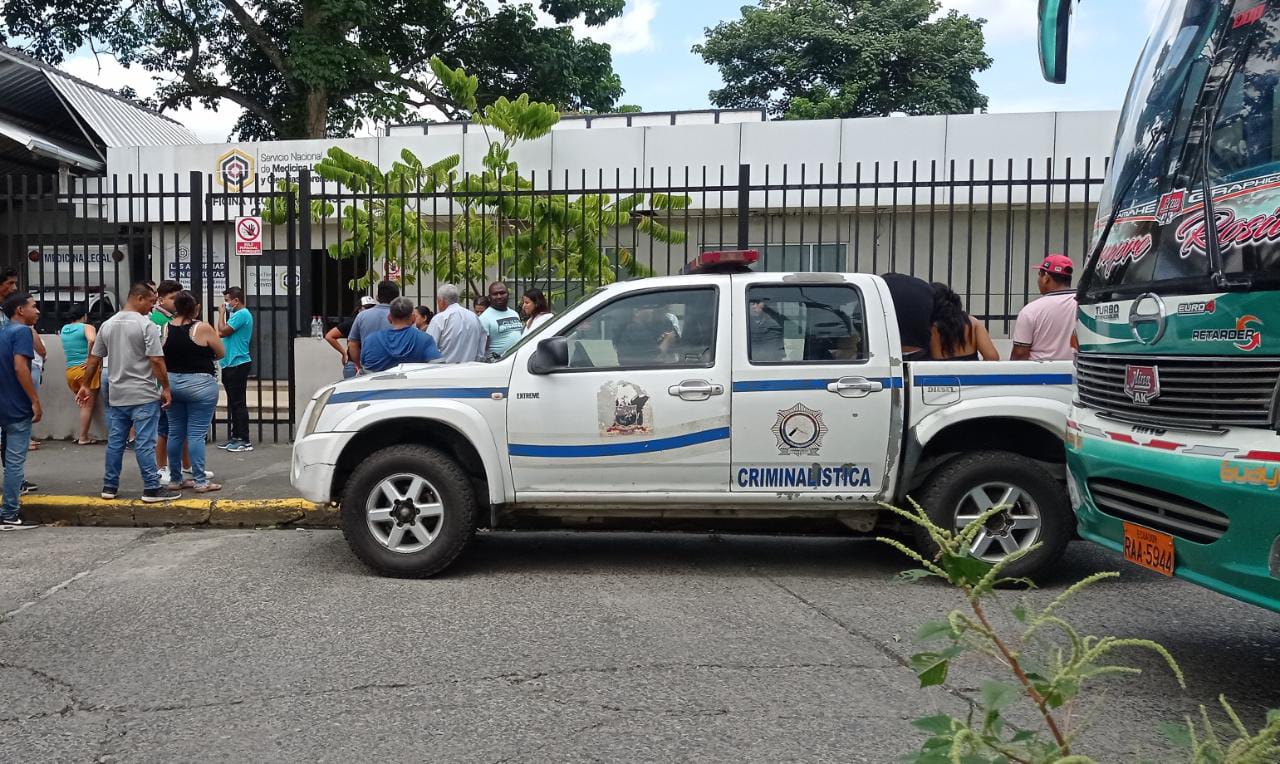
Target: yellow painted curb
{"x": 93, "y": 510}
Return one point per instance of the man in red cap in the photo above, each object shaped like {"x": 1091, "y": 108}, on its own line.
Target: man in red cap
{"x": 1045, "y": 327}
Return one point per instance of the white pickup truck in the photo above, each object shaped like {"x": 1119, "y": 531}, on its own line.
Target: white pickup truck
{"x": 716, "y": 397}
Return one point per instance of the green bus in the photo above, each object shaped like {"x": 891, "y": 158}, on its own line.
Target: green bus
{"x": 1172, "y": 444}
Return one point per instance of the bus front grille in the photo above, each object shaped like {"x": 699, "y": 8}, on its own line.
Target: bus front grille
{"x": 1201, "y": 393}
{"x": 1158, "y": 510}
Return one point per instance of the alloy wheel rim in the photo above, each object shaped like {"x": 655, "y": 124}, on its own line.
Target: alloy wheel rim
{"x": 1014, "y": 529}
{"x": 404, "y": 513}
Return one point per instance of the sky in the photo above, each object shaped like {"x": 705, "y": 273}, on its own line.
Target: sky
{"x": 652, "y": 40}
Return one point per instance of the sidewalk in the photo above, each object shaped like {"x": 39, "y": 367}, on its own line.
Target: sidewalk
{"x": 255, "y": 491}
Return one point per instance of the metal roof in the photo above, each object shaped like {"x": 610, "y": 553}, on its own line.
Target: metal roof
{"x": 49, "y": 148}
{"x": 51, "y": 101}
{"x": 118, "y": 122}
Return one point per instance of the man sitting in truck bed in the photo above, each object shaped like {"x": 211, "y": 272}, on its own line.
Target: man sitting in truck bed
{"x": 401, "y": 343}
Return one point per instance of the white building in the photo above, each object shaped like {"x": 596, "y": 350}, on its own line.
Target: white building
{"x": 972, "y": 199}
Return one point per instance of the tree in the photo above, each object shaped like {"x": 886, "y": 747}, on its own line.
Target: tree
{"x": 405, "y": 221}
{"x": 818, "y": 59}
{"x": 318, "y": 68}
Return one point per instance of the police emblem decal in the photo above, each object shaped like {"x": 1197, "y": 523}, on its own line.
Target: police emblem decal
{"x": 799, "y": 431}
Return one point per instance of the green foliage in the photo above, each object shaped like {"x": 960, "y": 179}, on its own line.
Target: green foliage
{"x": 465, "y": 229}
{"x": 820, "y": 59}
{"x": 1203, "y": 739}
{"x": 323, "y": 68}
{"x": 1049, "y": 664}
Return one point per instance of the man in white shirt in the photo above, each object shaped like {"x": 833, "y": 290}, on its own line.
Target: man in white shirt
{"x": 455, "y": 329}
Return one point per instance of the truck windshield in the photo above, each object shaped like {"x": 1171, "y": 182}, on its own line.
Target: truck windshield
{"x": 1244, "y": 148}
{"x": 1153, "y": 126}
{"x": 528, "y": 337}
{"x": 1159, "y": 235}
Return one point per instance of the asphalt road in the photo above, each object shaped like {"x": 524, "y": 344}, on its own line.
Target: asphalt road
{"x": 129, "y": 645}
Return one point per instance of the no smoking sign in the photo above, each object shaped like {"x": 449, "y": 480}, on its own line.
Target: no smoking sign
{"x": 249, "y": 235}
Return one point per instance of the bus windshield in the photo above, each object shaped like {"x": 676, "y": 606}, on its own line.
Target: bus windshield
{"x": 1228, "y": 64}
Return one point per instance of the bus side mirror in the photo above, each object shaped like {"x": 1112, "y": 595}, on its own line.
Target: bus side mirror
{"x": 552, "y": 354}
{"x": 1055, "y": 21}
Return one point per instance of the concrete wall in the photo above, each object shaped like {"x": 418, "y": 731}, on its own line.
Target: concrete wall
{"x": 1057, "y": 144}
{"x": 61, "y": 412}
{"x": 317, "y": 365}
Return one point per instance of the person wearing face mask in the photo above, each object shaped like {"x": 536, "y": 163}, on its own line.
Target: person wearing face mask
{"x": 235, "y": 326}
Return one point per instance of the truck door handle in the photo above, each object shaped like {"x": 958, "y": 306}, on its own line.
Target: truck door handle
{"x": 854, "y": 387}
{"x": 695, "y": 390}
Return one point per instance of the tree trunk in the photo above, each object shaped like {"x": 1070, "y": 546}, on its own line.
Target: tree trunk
{"x": 317, "y": 117}
{"x": 317, "y": 113}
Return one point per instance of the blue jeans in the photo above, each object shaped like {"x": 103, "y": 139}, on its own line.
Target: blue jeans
{"x": 17, "y": 437}
{"x": 348, "y": 370}
{"x": 195, "y": 396}
{"x": 144, "y": 418}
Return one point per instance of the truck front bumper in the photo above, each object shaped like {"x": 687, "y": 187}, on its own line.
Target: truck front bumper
{"x": 314, "y": 459}
{"x": 1241, "y": 563}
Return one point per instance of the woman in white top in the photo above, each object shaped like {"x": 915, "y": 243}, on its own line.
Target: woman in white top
{"x": 535, "y": 307}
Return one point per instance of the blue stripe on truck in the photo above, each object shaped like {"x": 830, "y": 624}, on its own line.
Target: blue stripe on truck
{"x": 776, "y": 385}
{"x": 357, "y": 396}
{"x": 620, "y": 449}
{"x": 946, "y": 380}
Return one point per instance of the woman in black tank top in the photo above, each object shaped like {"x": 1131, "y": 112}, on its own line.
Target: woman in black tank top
{"x": 957, "y": 336}
{"x": 181, "y": 353}
{"x": 190, "y": 348}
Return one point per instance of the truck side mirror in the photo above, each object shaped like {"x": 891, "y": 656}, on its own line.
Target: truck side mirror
{"x": 551, "y": 355}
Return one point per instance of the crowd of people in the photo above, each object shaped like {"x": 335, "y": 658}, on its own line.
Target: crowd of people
{"x": 154, "y": 367}
{"x": 388, "y": 329}
{"x": 933, "y": 324}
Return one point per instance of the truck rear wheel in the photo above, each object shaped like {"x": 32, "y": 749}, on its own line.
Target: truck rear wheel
{"x": 1037, "y": 509}
{"x": 408, "y": 511}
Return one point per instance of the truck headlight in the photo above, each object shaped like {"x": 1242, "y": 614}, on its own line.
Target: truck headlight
{"x": 317, "y": 408}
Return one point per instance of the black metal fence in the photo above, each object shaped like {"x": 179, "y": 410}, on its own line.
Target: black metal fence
{"x": 979, "y": 226}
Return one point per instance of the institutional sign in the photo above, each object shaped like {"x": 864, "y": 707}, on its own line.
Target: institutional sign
{"x": 234, "y": 171}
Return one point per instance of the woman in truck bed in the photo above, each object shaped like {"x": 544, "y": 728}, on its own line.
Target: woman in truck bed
{"x": 956, "y": 335}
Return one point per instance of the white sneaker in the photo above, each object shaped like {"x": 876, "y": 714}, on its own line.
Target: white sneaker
{"x": 164, "y": 476}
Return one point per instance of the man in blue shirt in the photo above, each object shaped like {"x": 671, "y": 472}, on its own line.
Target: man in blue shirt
{"x": 501, "y": 323}
{"x": 235, "y": 324}
{"x": 401, "y": 342}
{"x": 371, "y": 321}
{"x": 19, "y": 401}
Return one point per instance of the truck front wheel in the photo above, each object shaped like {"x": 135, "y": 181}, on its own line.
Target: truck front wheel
{"x": 407, "y": 511}
{"x": 1036, "y": 509}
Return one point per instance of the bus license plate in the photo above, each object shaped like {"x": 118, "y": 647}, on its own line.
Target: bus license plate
{"x": 1150, "y": 549}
